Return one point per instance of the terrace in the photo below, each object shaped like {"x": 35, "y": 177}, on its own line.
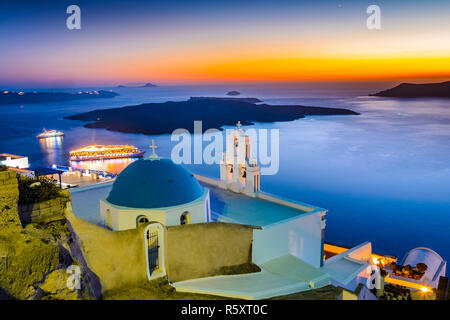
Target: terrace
{"x": 262, "y": 210}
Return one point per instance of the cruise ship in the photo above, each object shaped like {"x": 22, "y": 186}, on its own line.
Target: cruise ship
{"x": 50, "y": 134}
{"x": 101, "y": 152}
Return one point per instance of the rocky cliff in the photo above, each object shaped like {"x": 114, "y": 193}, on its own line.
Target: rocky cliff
{"x": 9, "y": 195}
{"x": 33, "y": 260}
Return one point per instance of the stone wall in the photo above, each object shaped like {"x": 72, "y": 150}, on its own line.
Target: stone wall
{"x": 9, "y": 195}
{"x": 46, "y": 211}
{"x": 110, "y": 259}
{"x": 206, "y": 249}
{"x": 114, "y": 260}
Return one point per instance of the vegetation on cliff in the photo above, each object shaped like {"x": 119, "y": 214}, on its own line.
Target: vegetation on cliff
{"x": 36, "y": 190}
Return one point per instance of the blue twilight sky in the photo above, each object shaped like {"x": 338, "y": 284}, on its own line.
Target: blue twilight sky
{"x": 215, "y": 41}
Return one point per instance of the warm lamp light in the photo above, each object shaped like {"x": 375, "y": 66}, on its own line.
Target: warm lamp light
{"x": 424, "y": 289}
{"x": 375, "y": 261}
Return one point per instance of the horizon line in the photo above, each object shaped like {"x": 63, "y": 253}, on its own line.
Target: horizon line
{"x": 62, "y": 84}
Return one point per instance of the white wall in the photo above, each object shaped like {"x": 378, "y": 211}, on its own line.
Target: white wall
{"x": 196, "y": 209}
{"x": 127, "y": 219}
{"x": 301, "y": 237}
{"x": 123, "y": 218}
{"x": 21, "y": 163}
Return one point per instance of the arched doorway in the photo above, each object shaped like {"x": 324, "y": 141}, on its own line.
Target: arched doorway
{"x": 185, "y": 218}
{"x": 154, "y": 250}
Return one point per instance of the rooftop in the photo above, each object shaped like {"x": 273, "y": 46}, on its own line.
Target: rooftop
{"x": 5, "y": 156}
{"x": 280, "y": 276}
{"x": 86, "y": 201}
{"x": 228, "y": 206}
{"x": 258, "y": 285}
{"x": 154, "y": 183}
{"x": 346, "y": 266}
{"x": 44, "y": 171}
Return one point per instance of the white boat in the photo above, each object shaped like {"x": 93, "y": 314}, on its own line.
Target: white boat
{"x": 50, "y": 134}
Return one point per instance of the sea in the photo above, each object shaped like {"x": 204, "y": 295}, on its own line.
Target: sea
{"x": 383, "y": 176}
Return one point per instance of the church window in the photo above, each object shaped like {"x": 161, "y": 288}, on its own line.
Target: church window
{"x": 141, "y": 220}
{"x": 108, "y": 218}
{"x": 185, "y": 218}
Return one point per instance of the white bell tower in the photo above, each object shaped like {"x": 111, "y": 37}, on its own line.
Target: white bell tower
{"x": 239, "y": 172}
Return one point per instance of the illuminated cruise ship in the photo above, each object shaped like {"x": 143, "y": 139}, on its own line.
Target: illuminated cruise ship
{"x": 50, "y": 134}
{"x": 100, "y": 152}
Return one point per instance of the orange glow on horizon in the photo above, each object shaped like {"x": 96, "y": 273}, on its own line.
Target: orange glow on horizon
{"x": 195, "y": 67}
{"x": 272, "y": 70}
{"x": 320, "y": 69}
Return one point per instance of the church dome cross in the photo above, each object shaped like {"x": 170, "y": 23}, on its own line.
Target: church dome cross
{"x": 153, "y": 147}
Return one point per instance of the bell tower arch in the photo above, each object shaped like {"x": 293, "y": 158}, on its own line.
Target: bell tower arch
{"x": 239, "y": 171}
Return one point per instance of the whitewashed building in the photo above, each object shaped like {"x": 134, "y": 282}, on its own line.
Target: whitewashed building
{"x": 14, "y": 161}
{"x": 288, "y": 235}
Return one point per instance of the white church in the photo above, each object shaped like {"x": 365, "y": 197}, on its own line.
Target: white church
{"x": 288, "y": 239}
{"x": 155, "y": 189}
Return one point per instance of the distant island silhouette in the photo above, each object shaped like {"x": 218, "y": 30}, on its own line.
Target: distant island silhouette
{"x": 147, "y": 85}
{"x": 413, "y": 90}
{"x": 249, "y": 100}
{"x": 13, "y": 97}
{"x": 164, "y": 118}
{"x": 233, "y": 93}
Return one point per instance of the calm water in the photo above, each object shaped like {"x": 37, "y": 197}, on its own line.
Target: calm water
{"x": 384, "y": 176}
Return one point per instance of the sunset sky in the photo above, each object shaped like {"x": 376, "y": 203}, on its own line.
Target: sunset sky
{"x": 221, "y": 41}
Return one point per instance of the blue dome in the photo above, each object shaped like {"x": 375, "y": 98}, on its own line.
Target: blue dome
{"x": 154, "y": 183}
